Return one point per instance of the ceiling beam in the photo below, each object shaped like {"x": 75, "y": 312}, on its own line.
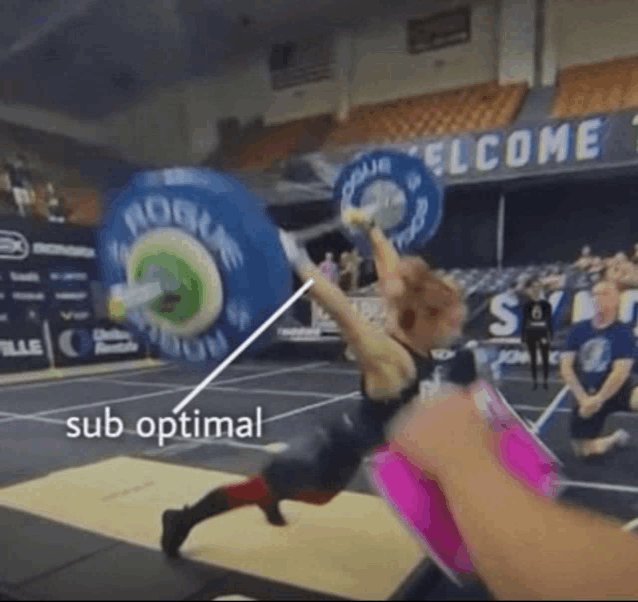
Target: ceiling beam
{"x": 47, "y": 121}
{"x": 67, "y": 10}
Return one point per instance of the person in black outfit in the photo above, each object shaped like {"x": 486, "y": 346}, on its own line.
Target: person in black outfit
{"x": 21, "y": 180}
{"x": 56, "y": 205}
{"x": 537, "y": 329}
{"x": 395, "y": 362}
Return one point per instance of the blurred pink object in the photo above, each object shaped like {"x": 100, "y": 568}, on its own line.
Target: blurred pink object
{"x": 421, "y": 504}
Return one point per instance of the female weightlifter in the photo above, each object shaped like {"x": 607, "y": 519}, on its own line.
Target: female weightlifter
{"x": 424, "y": 312}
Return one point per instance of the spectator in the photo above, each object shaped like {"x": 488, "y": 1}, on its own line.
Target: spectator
{"x": 597, "y": 369}
{"x": 21, "y": 180}
{"x": 585, "y": 259}
{"x": 621, "y": 271}
{"x": 56, "y": 205}
{"x": 350, "y": 270}
{"x": 596, "y": 266}
{"x": 344, "y": 275}
{"x": 329, "y": 268}
{"x": 7, "y": 203}
{"x": 537, "y": 329}
{"x": 553, "y": 281}
{"x": 634, "y": 254}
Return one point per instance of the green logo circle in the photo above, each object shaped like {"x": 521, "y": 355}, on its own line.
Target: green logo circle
{"x": 193, "y": 296}
{"x": 184, "y": 290}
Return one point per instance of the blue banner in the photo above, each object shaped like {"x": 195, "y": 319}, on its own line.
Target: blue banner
{"x": 500, "y": 316}
{"x": 45, "y": 270}
{"x": 93, "y": 341}
{"x": 540, "y": 148}
{"x": 22, "y": 347}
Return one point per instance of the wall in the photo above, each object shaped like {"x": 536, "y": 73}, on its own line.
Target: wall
{"x": 48, "y": 121}
{"x": 517, "y": 42}
{"x": 592, "y": 31}
{"x": 45, "y": 153}
{"x": 384, "y": 70}
{"x": 381, "y": 69}
{"x": 153, "y": 131}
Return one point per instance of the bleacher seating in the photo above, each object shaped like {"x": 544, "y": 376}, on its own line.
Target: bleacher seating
{"x": 603, "y": 87}
{"x": 493, "y": 280}
{"x": 475, "y": 107}
{"x": 82, "y": 205}
{"x": 481, "y": 106}
{"x": 263, "y": 148}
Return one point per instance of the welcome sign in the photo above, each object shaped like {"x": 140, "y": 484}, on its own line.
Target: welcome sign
{"x": 521, "y": 150}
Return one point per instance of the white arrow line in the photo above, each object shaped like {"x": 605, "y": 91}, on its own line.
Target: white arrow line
{"x": 235, "y": 354}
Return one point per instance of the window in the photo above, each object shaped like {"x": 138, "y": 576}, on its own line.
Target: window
{"x": 445, "y": 29}
{"x": 294, "y": 64}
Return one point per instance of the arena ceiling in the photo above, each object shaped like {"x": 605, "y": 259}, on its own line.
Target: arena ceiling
{"x": 90, "y": 58}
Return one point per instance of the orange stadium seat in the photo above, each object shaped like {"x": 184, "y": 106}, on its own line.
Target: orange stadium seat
{"x": 83, "y": 205}
{"x": 475, "y": 107}
{"x": 262, "y": 148}
{"x": 599, "y": 88}
{"x": 482, "y": 106}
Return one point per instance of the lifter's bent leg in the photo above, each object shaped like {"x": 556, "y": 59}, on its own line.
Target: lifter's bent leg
{"x": 633, "y": 400}
{"x": 293, "y": 476}
{"x": 177, "y": 524}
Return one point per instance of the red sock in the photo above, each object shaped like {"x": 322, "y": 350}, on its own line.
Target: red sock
{"x": 253, "y": 491}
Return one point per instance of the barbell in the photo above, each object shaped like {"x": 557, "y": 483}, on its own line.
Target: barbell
{"x": 190, "y": 261}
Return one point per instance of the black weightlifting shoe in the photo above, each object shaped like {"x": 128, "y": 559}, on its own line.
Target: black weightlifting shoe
{"x": 176, "y": 528}
{"x": 274, "y": 515}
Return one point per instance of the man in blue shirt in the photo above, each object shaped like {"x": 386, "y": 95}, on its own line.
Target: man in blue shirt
{"x": 597, "y": 368}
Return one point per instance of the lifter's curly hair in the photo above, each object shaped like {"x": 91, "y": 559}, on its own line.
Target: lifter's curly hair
{"x": 415, "y": 290}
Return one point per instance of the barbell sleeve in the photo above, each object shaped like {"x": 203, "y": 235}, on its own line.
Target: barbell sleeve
{"x": 127, "y": 298}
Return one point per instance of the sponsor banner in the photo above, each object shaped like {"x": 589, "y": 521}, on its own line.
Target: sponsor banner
{"x": 301, "y": 334}
{"x": 74, "y": 315}
{"x": 71, "y": 296}
{"x": 373, "y": 308}
{"x": 45, "y": 267}
{"x": 25, "y": 244}
{"x": 66, "y": 276}
{"x": 502, "y": 314}
{"x": 91, "y": 341}
{"x": 22, "y": 348}
{"x": 497, "y": 317}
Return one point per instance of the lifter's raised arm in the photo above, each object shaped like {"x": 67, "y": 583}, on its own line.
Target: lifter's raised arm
{"x": 386, "y": 258}
{"x": 371, "y": 345}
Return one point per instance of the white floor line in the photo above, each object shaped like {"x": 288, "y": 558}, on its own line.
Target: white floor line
{"x": 353, "y": 371}
{"x": 130, "y": 398}
{"x": 547, "y": 413}
{"x": 287, "y": 370}
{"x": 313, "y": 406}
{"x": 526, "y": 408}
{"x": 74, "y": 379}
{"x": 229, "y": 389}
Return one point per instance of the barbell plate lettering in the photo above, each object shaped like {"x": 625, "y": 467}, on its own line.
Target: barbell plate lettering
{"x": 404, "y": 194}
{"x": 210, "y": 235}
